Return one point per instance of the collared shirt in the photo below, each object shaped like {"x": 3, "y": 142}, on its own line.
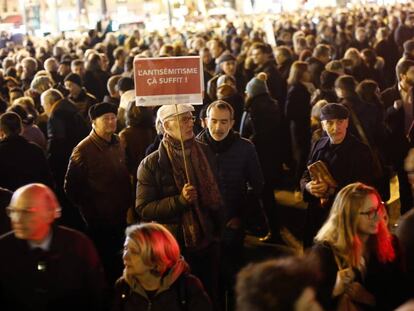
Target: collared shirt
{"x": 45, "y": 245}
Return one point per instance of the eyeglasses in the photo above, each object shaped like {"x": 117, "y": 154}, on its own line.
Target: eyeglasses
{"x": 184, "y": 119}
{"x": 374, "y": 212}
{"x": 371, "y": 214}
{"x": 187, "y": 119}
{"x": 21, "y": 212}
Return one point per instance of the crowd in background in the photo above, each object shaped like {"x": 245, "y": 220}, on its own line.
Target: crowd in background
{"x": 337, "y": 90}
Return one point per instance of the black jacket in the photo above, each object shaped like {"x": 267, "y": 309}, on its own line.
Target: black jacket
{"x": 185, "y": 294}
{"x": 298, "y": 111}
{"x": 395, "y": 120}
{"x": 261, "y": 123}
{"x": 347, "y": 162}
{"x": 95, "y": 83}
{"x": 66, "y": 128}
{"x": 237, "y": 164}
{"x": 405, "y": 233}
{"x": 277, "y": 86}
{"x": 384, "y": 280}
{"x": 5, "y": 197}
{"x": 72, "y": 278}
{"x": 21, "y": 163}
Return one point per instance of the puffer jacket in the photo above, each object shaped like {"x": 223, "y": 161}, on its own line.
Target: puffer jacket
{"x": 97, "y": 180}
{"x": 179, "y": 291}
{"x": 158, "y": 198}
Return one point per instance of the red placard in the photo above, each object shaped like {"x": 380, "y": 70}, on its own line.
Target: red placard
{"x": 166, "y": 81}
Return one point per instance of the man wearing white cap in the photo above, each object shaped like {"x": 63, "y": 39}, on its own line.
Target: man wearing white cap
{"x": 189, "y": 208}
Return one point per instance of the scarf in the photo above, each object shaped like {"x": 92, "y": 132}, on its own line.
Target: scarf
{"x": 197, "y": 229}
{"x": 223, "y": 145}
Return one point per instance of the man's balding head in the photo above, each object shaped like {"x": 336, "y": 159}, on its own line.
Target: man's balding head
{"x": 51, "y": 64}
{"x": 33, "y": 208}
{"x": 49, "y": 98}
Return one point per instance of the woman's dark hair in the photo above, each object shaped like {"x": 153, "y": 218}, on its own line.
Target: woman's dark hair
{"x": 94, "y": 62}
{"x": 274, "y": 284}
{"x": 367, "y": 90}
{"x": 11, "y": 72}
{"x": 26, "y": 118}
{"x": 10, "y": 123}
{"x": 369, "y": 56}
{"x": 137, "y": 116}
{"x": 328, "y": 79}
{"x": 347, "y": 84}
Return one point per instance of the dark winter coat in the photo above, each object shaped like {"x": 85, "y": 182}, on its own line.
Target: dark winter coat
{"x": 21, "y": 163}
{"x": 236, "y": 163}
{"x": 72, "y": 278}
{"x": 95, "y": 83}
{"x": 405, "y": 233}
{"x": 186, "y": 293}
{"x": 136, "y": 140}
{"x": 66, "y": 128}
{"x": 157, "y": 196}
{"x": 388, "y": 50}
{"x": 261, "y": 124}
{"x": 384, "y": 280}
{"x": 298, "y": 112}
{"x": 402, "y": 34}
{"x": 395, "y": 120}
{"x": 5, "y": 197}
{"x": 277, "y": 86}
{"x": 97, "y": 181}
{"x": 348, "y": 162}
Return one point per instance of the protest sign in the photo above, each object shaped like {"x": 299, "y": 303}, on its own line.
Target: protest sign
{"x": 270, "y": 33}
{"x": 168, "y": 81}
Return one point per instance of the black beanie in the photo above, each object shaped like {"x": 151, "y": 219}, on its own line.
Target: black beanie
{"x": 226, "y": 58}
{"x": 75, "y": 78}
{"x": 100, "y": 109}
{"x": 334, "y": 111}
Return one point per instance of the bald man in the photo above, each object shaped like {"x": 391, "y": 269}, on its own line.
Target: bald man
{"x": 44, "y": 266}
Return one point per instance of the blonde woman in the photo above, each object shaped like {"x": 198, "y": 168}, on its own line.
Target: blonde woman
{"x": 354, "y": 64}
{"x": 155, "y": 275}
{"x": 357, "y": 253}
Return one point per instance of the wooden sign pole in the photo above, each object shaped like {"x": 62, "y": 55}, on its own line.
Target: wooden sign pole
{"x": 182, "y": 145}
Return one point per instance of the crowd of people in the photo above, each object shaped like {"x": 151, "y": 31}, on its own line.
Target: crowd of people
{"x": 84, "y": 172}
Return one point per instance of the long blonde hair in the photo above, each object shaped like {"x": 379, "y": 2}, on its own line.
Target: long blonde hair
{"x": 340, "y": 230}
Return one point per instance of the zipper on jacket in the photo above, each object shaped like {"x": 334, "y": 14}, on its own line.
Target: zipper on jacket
{"x": 149, "y": 306}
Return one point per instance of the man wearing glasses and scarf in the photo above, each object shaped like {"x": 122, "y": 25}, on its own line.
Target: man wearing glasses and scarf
{"x": 189, "y": 208}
